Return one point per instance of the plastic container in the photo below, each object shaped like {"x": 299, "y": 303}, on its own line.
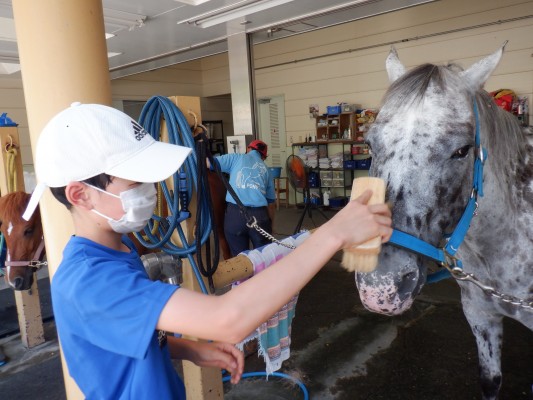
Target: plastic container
{"x": 350, "y": 164}
{"x": 334, "y": 109}
{"x": 337, "y": 201}
{"x": 6, "y": 121}
{"x": 275, "y": 172}
{"x": 365, "y": 163}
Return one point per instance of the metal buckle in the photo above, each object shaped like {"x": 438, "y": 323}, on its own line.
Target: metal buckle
{"x": 451, "y": 263}
{"x": 252, "y": 222}
{"x": 480, "y": 154}
{"x": 37, "y": 264}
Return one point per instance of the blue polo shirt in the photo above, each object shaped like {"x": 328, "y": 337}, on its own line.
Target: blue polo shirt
{"x": 249, "y": 177}
{"x": 106, "y": 310}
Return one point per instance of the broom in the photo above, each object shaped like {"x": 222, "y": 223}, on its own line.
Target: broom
{"x": 364, "y": 258}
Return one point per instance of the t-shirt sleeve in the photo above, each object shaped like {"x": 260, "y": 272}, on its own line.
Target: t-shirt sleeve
{"x": 120, "y": 312}
{"x": 270, "y": 190}
{"x": 227, "y": 161}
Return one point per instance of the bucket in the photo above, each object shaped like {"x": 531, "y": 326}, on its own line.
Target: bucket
{"x": 275, "y": 172}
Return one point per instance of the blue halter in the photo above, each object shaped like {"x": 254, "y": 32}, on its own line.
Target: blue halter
{"x": 445, "y": 256}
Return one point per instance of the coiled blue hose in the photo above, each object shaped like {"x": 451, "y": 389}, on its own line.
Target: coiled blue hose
{"x": 278, "y": 374}
{"x": 179, "y": 133}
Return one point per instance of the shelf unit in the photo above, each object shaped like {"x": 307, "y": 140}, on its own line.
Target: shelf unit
{"x": 336, "y": 127}
{"x": 337, "y": 180}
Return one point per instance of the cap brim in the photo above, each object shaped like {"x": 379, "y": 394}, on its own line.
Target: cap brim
{"x": 154, "y": 163}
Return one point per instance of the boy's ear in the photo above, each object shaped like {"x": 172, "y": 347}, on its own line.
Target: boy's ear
{"x": 76, "y": 194}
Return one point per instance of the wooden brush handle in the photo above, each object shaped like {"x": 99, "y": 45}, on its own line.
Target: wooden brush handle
{"x": 377, "y": 185}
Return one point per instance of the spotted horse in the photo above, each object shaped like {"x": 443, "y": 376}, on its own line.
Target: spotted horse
{"x": 459, "y": 175}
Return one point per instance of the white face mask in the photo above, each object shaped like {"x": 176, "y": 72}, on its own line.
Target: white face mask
{"x": 138, "y": 203}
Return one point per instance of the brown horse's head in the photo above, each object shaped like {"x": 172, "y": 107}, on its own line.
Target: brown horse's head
{"x": 22, "y": 239}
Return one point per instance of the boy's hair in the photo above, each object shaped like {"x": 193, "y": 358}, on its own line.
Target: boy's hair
{"x": 100, "y": 181}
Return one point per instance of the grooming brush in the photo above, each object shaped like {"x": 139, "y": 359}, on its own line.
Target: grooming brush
{"x": 364, "y": 258}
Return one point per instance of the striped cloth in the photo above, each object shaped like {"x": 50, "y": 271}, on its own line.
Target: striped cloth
{"x": 274, "y": 335}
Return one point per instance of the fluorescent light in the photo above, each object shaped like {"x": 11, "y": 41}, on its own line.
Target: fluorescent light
{"x": 8, "y": 68}
{"x": 224, "y": 15}
{"x": 122, "y": 19}
{"x": 192, "y": 2}
{"x": 7, "y": 30}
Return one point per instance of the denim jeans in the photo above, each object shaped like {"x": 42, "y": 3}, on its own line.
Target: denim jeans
{"x": 239, "y": 235}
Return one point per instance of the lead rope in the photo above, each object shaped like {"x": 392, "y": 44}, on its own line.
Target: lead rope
{"x": 204, "y": 196}
{"x": 11, "y": 150}
{"x": 1, "y": 251}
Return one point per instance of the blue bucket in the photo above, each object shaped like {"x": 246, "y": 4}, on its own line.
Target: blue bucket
{"x": 275, "y": 172}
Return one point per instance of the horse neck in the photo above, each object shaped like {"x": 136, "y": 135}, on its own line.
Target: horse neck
{"x": 505, "y": 199}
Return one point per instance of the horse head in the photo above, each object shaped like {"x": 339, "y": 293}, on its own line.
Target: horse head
{"x": 423, "y": 146}
{"x": 22, "y": 239}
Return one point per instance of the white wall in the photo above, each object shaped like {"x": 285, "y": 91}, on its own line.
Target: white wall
{"x": 359, "y": 76}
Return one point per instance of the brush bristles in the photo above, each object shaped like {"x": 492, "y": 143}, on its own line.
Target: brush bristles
{"x": 364, "y": 258}
{"x": 356, "y": 262}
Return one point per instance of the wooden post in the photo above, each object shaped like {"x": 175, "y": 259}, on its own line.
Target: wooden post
{"x": 63, "y": 58}
{"x": 200, "y": 383}
{"x": 27, "y": 301}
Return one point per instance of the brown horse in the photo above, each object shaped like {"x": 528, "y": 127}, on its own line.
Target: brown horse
{"x": 218, "y": 199}
{"x": 23, "y": 240}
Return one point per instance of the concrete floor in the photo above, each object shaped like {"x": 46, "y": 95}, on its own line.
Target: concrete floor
{"x": 339, "y": 350}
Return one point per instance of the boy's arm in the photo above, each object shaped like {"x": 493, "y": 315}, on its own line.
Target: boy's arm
{"x": 235, "y": 314}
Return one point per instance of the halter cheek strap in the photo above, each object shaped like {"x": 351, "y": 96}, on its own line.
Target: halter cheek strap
{"x": 446, "y": 256}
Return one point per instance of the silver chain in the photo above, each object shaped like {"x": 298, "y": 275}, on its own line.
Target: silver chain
{"x": 460, "y": 275}
{"x": 255, "y": 226}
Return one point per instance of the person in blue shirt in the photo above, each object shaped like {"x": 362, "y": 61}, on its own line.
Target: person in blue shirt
{"x": 251, "y": 180}
{"x": 112, "y": 320}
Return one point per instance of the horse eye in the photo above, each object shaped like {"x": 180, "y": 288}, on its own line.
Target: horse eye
{"x": 462, "y": 152}
{"x": 28, "y": 232}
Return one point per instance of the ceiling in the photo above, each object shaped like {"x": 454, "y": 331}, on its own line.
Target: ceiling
{"x": 151, "y": 34}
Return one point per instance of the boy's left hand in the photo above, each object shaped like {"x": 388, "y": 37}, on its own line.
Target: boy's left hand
{"x": 222, "y": 355}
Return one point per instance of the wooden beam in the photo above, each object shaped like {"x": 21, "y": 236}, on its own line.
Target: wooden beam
{"x": 200, "y": 383}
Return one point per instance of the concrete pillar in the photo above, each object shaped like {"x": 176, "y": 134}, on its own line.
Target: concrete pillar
{"x": 241, "y": 82}
{"x": 63, "y": 56}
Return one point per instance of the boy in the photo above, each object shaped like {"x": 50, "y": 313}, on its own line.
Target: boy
{"x": 110, "y": 317}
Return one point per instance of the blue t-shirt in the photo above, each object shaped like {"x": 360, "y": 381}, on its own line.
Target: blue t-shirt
{"x": 106, "y": 310}
{"x": 249, "y": 177}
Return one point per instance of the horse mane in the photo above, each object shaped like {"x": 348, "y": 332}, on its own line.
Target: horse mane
{"x": 12, "y": 205}
{"x": 500, "y": 131}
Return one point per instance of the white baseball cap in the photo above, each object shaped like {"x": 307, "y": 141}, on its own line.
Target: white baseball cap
{"x": 86, "y": 140}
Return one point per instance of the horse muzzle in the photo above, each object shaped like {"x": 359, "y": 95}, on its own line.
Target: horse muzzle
{"x": 390, "y": 289}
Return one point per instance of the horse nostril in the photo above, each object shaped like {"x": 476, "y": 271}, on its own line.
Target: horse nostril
{"x": 18, "y": 282}
{"x": 408, "y": 285}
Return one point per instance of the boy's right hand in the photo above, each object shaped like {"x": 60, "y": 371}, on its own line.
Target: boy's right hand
{"x": 358, "y": 222}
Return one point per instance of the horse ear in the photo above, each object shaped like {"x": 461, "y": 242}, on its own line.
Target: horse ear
{"x": 395, "y": 68}
{"x": 477, "y": 74}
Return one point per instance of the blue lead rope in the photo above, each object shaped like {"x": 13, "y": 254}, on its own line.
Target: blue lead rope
{"x": 446, "y": 256}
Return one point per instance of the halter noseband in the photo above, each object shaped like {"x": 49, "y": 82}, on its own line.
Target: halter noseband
{"x": 445, "y": 256}
{"x": 35, "y": 261}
